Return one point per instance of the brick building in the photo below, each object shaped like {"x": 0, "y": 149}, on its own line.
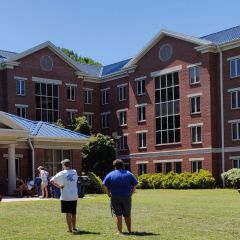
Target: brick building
{"x": 175, "y": 106}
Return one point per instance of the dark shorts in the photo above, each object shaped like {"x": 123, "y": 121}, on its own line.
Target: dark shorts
{"x": 69, "y": 207}
{"x": 121, "y": 206}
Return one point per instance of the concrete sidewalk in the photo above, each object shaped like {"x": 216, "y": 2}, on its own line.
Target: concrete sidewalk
{"x": 22, "y": 199}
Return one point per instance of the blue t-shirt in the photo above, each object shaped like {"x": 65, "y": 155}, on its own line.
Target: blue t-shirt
{"x": 120, "y": 182}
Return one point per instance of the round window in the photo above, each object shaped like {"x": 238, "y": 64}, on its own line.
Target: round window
{"x": 46, "y": 63}
{"x": 165, "y": 52}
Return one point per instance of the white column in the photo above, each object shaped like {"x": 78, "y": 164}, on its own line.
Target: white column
{"x": 11, "y": 169}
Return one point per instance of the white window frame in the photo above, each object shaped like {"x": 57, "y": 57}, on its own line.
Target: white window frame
{"x": 72, "y": 113}
{"x": 123, "y": 142}
{"x": 237, "y": 159}
{"x": 142, "y": 139}
{"x": 235, "y": 125}
{"x": 235, "y": 61}
{"x": 197, "y": 162}
{"x": 88, "y": 95}
{"x": 105, "y": 117}
{"x": 194, "y": 74}
{"x": 141, "y": 113}
{"x": 237, "y": 97}
{"x": 72, "y": 89}
{"x": 193, "y": 109}
{"x": 122, "y": 92}
{"x": 142, "y": 168}
{"x": 89, "y": 118}
{"x": 22, "y": 85}
{"x": 196, "y": 139}
{"x": 141, "y": 87}
{"x": 104, "y": 94}
{"x": 21, "y": 107}
{"x": 123, "y": 117}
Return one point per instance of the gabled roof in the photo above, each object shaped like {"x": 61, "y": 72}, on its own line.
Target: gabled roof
{"x": 41, "y": 129}
{"x": 89, "y": 69}
{"x": 228, "y": 35}
{"x": 112, "y": 68}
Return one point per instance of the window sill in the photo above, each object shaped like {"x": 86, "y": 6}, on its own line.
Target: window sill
{"x": 71, "y": 100}
{"x": 142, "y": 94}
{"x": 196, "y": 113}
{"x": 167, "y": 144}
{"x": 142, "y": 148}
{"x": 196, "y": 143}
{"x": 194, "y": 84}
{"x": 142, "y": 121}
{"x": 21, "y": 95}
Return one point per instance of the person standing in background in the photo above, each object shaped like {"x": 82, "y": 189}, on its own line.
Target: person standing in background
{"x": 44, "y": 184}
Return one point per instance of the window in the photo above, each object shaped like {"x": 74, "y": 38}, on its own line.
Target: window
{"x": 105, "y": 96}
{"x": 168, "y": 167}
{"x": 20, "y": 87}
{"x": 141, "y": 113}
{"x": 88, "y": 96}
{"x": 47, "y": 102}
{"x": 158, "y": 167}
{"x": 89, "y": 118}
{"x": 122, "y": 93}
{"x": 141, "y": 87}
{"x": 177, "y": 167}
{"x": 71, "y": 115}
{"x": 71, "y": 93}
{"x": 196, "y": 166}
{"x": 196, "y": 134}
{"x": 123, "y": 145}
{"x": 195, "y": 104}
{"x": 105, "y": 120}
{"x": 236, "y": 131}
{"x": 123, "y": 118}
{"x": 194, "y": 75}
{"x": 236, "y": 163}
{"x": 235, "y": 68}
{"x": 235, "y": 99}
{"x": 21, "y": 111}
{"x": 167, "y": 109}
{"x": 142, "y": 138}
{"x": 142, "y": 168}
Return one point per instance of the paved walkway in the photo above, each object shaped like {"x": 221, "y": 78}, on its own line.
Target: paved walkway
{"x": 21, "y": 199}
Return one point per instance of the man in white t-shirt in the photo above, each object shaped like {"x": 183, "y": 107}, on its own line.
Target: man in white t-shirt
{"x": 66, "y": 180}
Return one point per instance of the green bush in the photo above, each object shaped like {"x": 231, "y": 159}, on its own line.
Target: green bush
{"x": 182, "y": 181}
{"x": 96, "y": 184}
{"x": 168, "y": 180}
{"x": 144, "y": 181}
{"x": 232, "y": 177}
{"x": 156, "y": 180}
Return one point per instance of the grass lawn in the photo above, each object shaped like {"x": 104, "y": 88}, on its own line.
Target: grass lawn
{"x": 157, "y": 214}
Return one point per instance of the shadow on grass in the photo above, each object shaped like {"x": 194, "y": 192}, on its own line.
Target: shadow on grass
{"x": 82, "y": 232}
{"x": 142, "y": 234}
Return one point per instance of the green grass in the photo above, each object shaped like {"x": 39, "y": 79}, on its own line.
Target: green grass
{"x": 156, "y": 214}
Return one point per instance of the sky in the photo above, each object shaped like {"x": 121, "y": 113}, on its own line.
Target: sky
{"x": 108, "y": 31}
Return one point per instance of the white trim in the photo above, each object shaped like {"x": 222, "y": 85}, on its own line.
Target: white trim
{"x": 142, "y": 162}
{"x": 20, "y": 78}
{"x": 234, "y": 121}
{"x": 141, "y": 105}
{"x": 233, "y": 89}
{"x": 195, "y": 124}
{"x": 196, "y": 159}
{"x": 104, "y": 89}
{"x": 140, "y": 78}
{"x": 21, "y": 105}
{"x": 88, "y": 113}
{"x": 166, "y": 71}
{"x": 122, "y": 85}
{"x": 71, "y": 84}
{"x": 232, "y": 58}
{"x": 46, "y": 80}
{"x": 71, "y": 110}
{"x": 105, "y": 113}
{"x": 142, "y": 131}
{"x": 167, "y": 161}
{"x": 16, "y": 155}
{"x": 234, "y": 157}
{"x": 122, "y": 110}
{"x": 194, "y": 65}
{"x": 194, "y": 95}
{"x": 87, "y": 89}
{"x": 124, "y": 134}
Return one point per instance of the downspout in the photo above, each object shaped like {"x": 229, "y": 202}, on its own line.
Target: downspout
{"x": 222, "y": 111}
{"x": 33, "y": 158}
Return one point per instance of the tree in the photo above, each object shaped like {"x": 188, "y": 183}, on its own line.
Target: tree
{"x": 80, "y": 125}
{"x": 59, "y": 123}
{"x": 74, "y": 56}
{"x": 98, "y": 155}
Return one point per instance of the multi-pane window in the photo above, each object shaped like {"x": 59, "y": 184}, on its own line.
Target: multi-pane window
{"x": 123, "y": 118}
{"x": 158, "y": 167}
{"x": 142, "y": 168}
{"x": 235, "y": 99}
{"x": 236, "y": 131}
{"x": 71, "y": 93}
{"x": 20, "y": 87}
{"x": 105, "y": 120}
{"x": 88, "y": 96}
{"x": 141, "y": 87}
{"x": 235, "y": 67}
{"x": 105, "y": 96}
{"x": 167, "y": 109}
{"x": 168, "y": 167}
{"x": 236, "y": 163}
{"x": 89, "y": 118}
{"x": 194, "y": 75}
{"x": 122, "y": 143}
{"x": 177, "y": 167}
{"x": 196, "y": 166}
{"x": 47, "y": 102}
{"x": 71, "y": 115}
{"x": 141, "y": 113}
{"x": 195, "y": 104}
{"x": 21, "y": 111}
{"x": 122, "y": 92}
{"x": 142, "y": 139}
{"x": 196, "y": 134}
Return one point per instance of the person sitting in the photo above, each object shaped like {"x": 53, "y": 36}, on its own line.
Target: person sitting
{"x": 25, "y": 188}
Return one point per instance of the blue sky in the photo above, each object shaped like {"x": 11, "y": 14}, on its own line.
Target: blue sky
{"x": 108, "y": 30}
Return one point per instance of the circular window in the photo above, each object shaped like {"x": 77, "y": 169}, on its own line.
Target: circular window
{"x": 46, "y": 63}
{"x": 165, "y": 52}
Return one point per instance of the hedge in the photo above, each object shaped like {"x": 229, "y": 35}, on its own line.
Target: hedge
{"x": 232, "y": 177}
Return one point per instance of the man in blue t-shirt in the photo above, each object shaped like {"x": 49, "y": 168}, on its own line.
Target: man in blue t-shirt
{"x": 119, "y": 185}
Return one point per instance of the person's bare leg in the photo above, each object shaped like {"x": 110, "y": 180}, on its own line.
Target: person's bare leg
{"x": 46, "y": 192}
{"x": 119, "y": 223}
{"x": 69, "y": 221}
{"x": 43, "y": 191}
{"x": 74, "y": 221}
{"x": 128, "y": 223}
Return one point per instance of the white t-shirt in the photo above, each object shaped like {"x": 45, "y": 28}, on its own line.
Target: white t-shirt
{"x": 44, "y": 176}
{"x": 67, "y": 178}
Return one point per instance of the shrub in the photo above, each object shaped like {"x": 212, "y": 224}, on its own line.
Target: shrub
{"x": 156, "y": 180}
{"x": 96, "y": 184}
{"x": 168, "y": 180}
{"x": 144, "y": 181}
{"x": 232, "y": 177}
{"x": 182, "y": 181}
{"x": 203, "y": 179}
